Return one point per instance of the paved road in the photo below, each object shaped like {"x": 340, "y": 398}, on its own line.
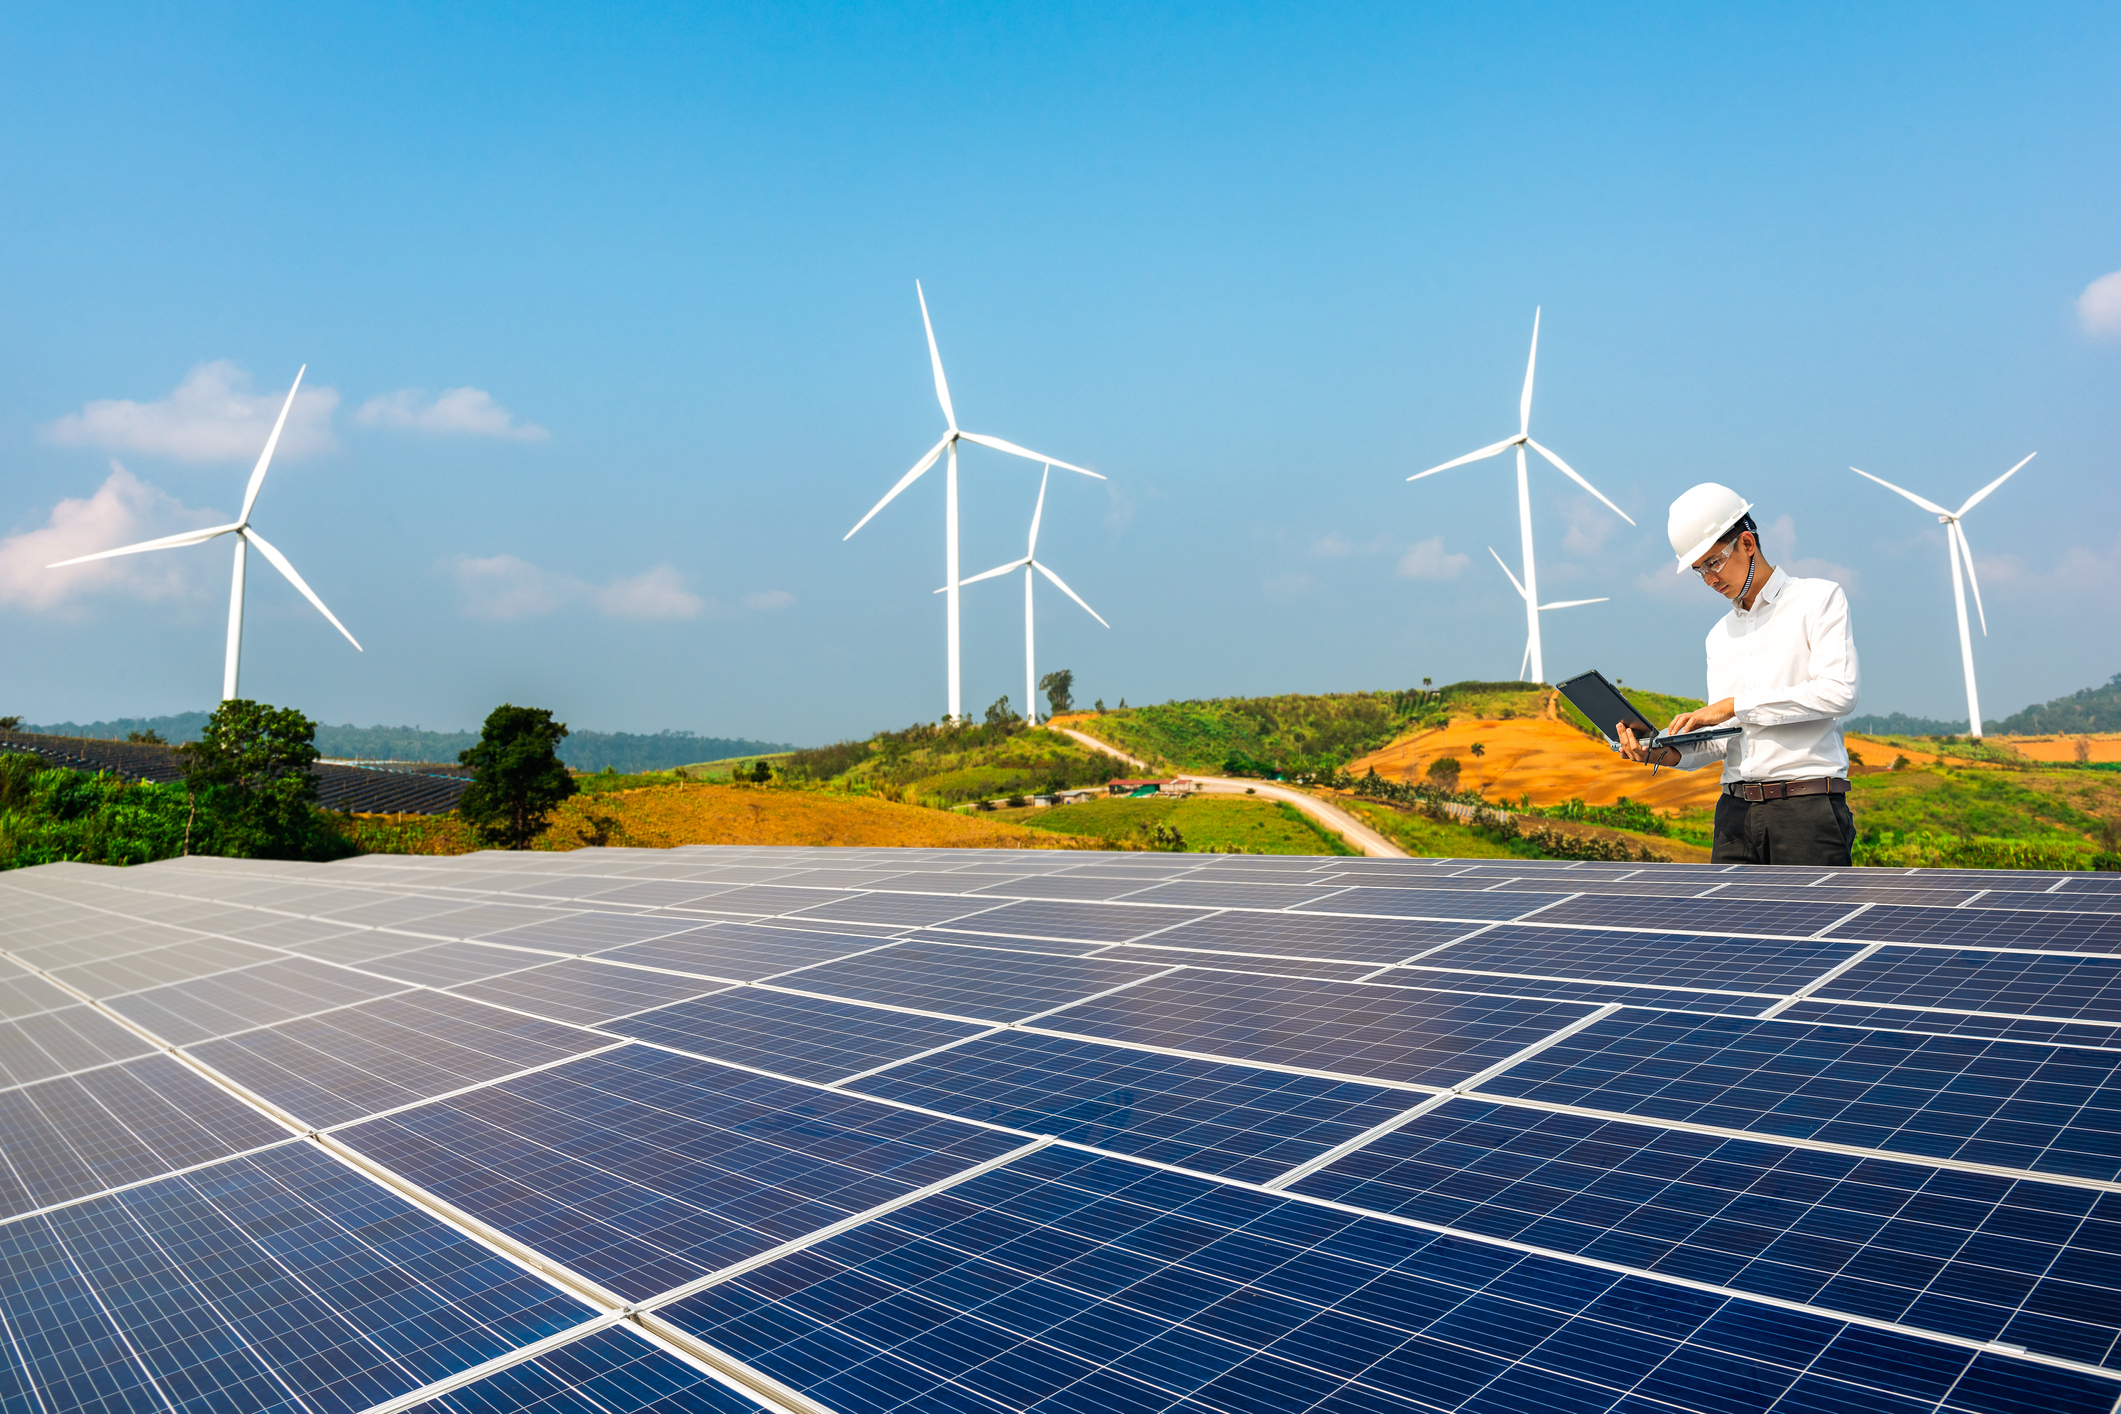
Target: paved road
{"x": 1347, "y": 826}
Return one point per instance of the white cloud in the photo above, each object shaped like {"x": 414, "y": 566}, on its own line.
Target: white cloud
{"x": 2099, "y": 307}
{"x": 505, "y": 588}
{"x": 470, "y": 412}
{"x": 124, "y": 511}
{"x": 1427, "y": 559}
{"x": 1589, "y": 525}
{"x": 766, "y": 599}
{"x": 210, "y": 417}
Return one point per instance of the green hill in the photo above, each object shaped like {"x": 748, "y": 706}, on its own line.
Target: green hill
{"x": 2092, "y": 709}
{"x": 933, "y": 764}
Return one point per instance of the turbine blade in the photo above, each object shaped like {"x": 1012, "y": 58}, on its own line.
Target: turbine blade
{"x": 1038, "y": 512}
{"x": 1931, "y": 506}
{"x": 1570, "y": 472}
{"x": 989, "y": 574}
{"x": 903, "y": 482}
{"x": 935, "y": 360}
{"x": 1069, "y": 592}
{"x": 167, "y": 542}
{"x": 1966, "y": 553}
{"x": 1524, "y": 404}
{"x": 1026, "y": 453}
{"x": 279, "y": 562}
{"x": 1514, "y": 584}
{"x": 257, "y": 474}
{"x": 1979, "y": 496}
{"x": 1496, "y": 450}
{"x": 1573, "y": 603}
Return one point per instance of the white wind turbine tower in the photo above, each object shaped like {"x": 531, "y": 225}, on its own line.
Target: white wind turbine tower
{"x": 245, "y": 536}
{"x": 1956, "y": 549}
{"x": 951, "y": 438}
{"x": 1529, "y": 587}
{"x": 1027, "y": 564}
{"x": 1564, "y": 604}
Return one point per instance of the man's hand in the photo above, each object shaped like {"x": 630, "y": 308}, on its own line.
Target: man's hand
{"x": 1713, "y": 715}
{"x": 1633, "y": 747}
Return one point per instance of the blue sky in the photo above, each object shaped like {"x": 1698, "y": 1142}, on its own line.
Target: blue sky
{"x": 610, "y": 326}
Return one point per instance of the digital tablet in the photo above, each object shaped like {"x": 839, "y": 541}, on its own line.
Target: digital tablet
{"x": 1599, "y": 700}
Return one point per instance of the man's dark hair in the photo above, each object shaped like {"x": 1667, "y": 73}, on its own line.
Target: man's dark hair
{"x": 1745, "y": 523}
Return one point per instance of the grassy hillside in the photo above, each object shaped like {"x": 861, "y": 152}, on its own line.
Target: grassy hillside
{"x": 932, "y": 764}
{"x": 1222, "y": 823}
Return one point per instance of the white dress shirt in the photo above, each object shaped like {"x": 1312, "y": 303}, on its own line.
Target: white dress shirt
{"x": 1789, "y": 666}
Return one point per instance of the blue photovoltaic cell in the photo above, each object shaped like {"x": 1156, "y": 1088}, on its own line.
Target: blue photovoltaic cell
{"x": 184, "y": 1012}
{"x": 642, "y": 1170}
{"x": 1075, "y": 922}
{"x": 1595, "y": 993}
{"x": 1969, "y": 1255}
{"x": 356, "y": 1061}
{"x": 810, "y": 1038}
{"x": 1228, "y": 893}
{"x": 1234, "y": 1120}
{"x": 255, "y": 1283}
{"x": 446, "y": 964}
{"x": 1703, "y": 915}
{"x": 56, "y": 1042}
{"x": 589, "y": 932}
{"x": 1380, "y": 1033}
{"x": 994, "y": 941}
{"x": 1476, "y": 905}
{"x": 766, "y": 900}
{"x": 1655, "y": 959}
{"x": 586, "y": 992}
{"x": 895, "y": 910}
{"x": 2085, "y": 902}
{"x": 2012, "y": 983}
{"x": 1979, "y": 927}
{"x": 1064, "y": 1281}
{"x": 116, "y": 1125}
{"x": 740, "y": 952}
{"x": 1085, "y": 888}
{"x": 1372, "y": 940}
{"x": 985, "y": 984}
{"x": 1955, "y": 1023}
{"x": 610, "y": 1372}
{"x": 2050, "y": 1109}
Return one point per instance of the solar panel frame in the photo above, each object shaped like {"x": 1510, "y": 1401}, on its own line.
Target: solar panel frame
{"x": 790, "y": 1033}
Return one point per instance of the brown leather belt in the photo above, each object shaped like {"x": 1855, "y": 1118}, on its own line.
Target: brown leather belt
{"x": 1757, "y": 791}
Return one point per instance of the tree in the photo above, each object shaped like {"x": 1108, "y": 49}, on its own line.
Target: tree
{"x": 252, "y": 794}
{"x": 1059, "y": 687}
{"x": 147, "y": 737}
{"x": 1478, "y": 752}
{"x": 1002, "y": 713}
{"x": 10, "y": 724}
{"x": 517, "y": 779}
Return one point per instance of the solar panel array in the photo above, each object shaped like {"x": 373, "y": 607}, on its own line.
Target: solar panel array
{"x": 875, "y": 1130}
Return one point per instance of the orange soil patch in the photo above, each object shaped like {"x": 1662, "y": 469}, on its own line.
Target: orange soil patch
{"x": 1549, "y": 761}
{"x": 660, "y": 817}
{"x": 2105, "y": 746}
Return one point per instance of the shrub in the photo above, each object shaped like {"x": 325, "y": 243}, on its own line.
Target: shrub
{"x": 517, "y": 778}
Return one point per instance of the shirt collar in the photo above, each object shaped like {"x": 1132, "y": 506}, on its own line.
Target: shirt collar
{"x": 1769, "y": 593}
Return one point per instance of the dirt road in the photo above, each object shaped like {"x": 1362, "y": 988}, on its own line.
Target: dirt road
{"x": 1339, "y": 821}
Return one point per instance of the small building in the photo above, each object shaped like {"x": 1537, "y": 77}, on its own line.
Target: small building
{"x": 1168, "y": 785}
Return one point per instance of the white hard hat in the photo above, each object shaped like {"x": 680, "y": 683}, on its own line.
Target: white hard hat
{"x": 1701, "y": 517}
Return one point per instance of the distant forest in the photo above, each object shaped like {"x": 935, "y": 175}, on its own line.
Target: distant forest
{"x": 2094, "y": 709}
{"x": 584, "y": 751}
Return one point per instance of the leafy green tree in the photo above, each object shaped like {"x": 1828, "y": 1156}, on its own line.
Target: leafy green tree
{"x": 1059, "y": 687}
{"x": 1002, "y": 713}
{"x": 517, "y": 779}
{"x": 252, "y": 793}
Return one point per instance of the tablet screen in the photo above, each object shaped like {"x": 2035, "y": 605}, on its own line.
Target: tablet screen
{"x": 1599, "y": 700}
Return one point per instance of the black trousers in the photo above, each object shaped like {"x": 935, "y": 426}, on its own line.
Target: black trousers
{"x": 1798, "y": 829}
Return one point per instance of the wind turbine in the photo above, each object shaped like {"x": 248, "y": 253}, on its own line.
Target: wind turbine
{"x": 951, "y": 437}
{"x": 1027, "y": 564}
{"x": 1564, "y": 604}
{"x": 1956, "y": 549}
{"x": 1530, "y": 587}
{"x": 245, "y": 536}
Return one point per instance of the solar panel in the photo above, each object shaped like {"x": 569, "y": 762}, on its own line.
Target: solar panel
{"x": 1975, "y": 1255}
{"x": 642, "y": 1170}
{"x": 1237, "y": 1120}
{"x": 1071, "y": 1282}
{"x": 1056, "y": 1130}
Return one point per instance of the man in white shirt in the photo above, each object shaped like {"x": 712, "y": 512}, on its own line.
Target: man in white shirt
{"x": 1782, "y": 664}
